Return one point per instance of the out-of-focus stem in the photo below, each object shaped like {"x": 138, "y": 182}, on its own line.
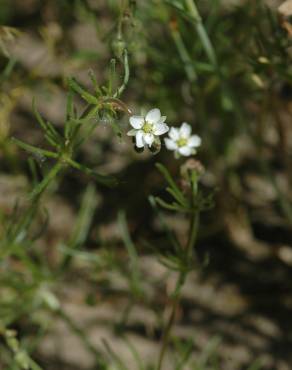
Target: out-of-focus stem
{"x": 82, "y": 336}
{"x": 202, "y": 33}
{"x": 126, "y": 75}
{"x": 167, "y": 331}
{"x": 185, "y": 57}
{"x": 46, "y": 181}
{"x": 193, "y": 235}
{"x": 194, "y": 223}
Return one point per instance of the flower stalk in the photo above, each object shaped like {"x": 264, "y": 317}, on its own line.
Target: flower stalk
{"x": 192, "y": 176}
{"x": 176, "y": 295}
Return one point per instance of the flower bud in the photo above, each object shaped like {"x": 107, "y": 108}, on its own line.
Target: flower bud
{"x": 191, "y": 165}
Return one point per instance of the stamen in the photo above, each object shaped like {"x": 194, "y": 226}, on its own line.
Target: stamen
{"x": 147, "y": 128}
{"x": 182, "y": 142}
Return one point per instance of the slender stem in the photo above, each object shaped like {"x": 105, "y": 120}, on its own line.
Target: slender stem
{"x": 120, "y": 21}
{"x": 103, "y": 179}
{"x": 167, "y": 331}
{"x": 194, "y": 223}
{"x": 203, "y": 35}
{"x": 193, "y": 10}
{"x": 126, "y": 75}
{"x": 228, "y": 100}
{"x": 193, "y": 234}
{"x": 46, "y": 181}
{"x": 33, "y": 149}
{"x": 209, "y": 49}
{"x": 185, "y": 57}
{"x": 82, "y": 336}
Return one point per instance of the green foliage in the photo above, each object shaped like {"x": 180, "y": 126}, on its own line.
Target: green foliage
{"x": 226, "y": 69}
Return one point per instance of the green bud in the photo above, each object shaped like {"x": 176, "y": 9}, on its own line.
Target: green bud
{"x": 119, "y": 46}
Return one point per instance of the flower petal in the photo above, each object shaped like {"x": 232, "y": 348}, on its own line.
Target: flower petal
{"x": 162, "y": 119}
{"x": 194, "y": 141}
{"x": 139, "y": 139}
{"x": 185, "y": 130}
{"x": 153, "y": 116}
{"x": 174, "y": 133}
{"x": 137, "y": 122}
{"x": 148, "y": 139}
{"x": 160, "y": 128}
{"x": 132, "y": 132}
{"x": 185, "y": 150}
{"x": 170, "y": 144}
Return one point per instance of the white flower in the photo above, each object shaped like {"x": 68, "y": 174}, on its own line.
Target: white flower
{"x": 147, "y": 128}
{"x": 181, "y": 140}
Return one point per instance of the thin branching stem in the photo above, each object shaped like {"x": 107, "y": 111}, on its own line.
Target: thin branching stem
{"x": 37, "y": 191}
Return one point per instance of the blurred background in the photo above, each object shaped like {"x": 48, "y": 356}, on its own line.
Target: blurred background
{"x": 236, "y": 311}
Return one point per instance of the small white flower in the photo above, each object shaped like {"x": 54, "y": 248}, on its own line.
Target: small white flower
{"x": 145, "y": 129}
{"x": 181, "y": 140}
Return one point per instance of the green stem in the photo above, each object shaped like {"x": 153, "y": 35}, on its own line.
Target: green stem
{"x": 88, "y": 112}
{"x": 37, "y": 191}
{"x": 193, "y": 10}
{"x": 126, "y": 75}
{"x": 228, "y": 100}
{"x": 185, "y": 57}
{"x": 120, "y": 21}
{"x": 194, "y": 223}
{"x": 167, "y": 330}
{"x": 33, "y": 149}
{"x": 193, "y": 235}
{"x": 203, "y": 35}
{"x": 103, "y": 179}
{"x": 82, "y": 336}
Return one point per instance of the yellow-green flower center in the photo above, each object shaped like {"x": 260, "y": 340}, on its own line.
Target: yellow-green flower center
{"x": 147, "y": 128}
{"x": 181, "y": 142}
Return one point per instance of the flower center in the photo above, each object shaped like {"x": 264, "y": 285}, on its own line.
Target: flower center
{"x": 147, "y": 128}
{"x": 182, "y": 142}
